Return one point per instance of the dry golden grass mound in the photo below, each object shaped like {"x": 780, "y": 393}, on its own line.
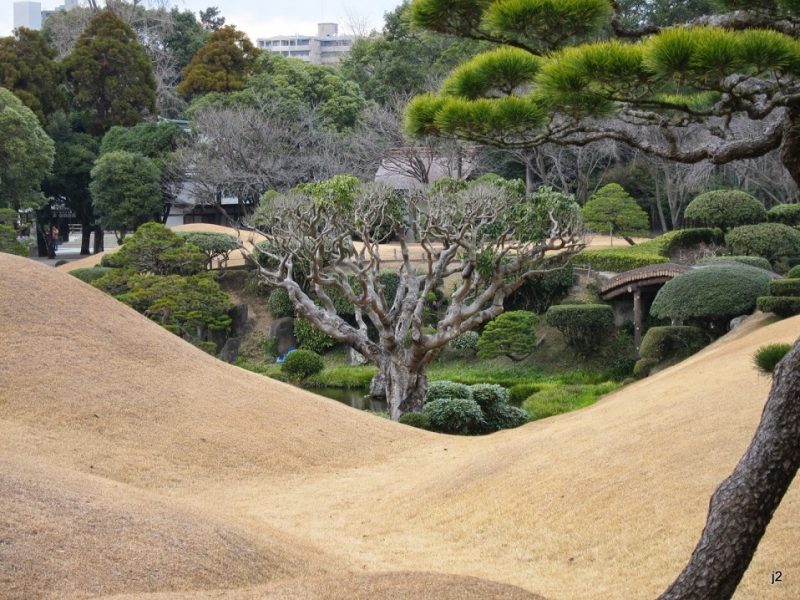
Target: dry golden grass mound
{"x": 606, "y": 502}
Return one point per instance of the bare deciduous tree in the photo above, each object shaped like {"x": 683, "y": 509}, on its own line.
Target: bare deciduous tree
{"x": 486, "y": 237}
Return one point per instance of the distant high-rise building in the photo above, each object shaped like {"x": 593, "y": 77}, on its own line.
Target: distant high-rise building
{"x": 28, "y": 14}
{"x": 325, "y": 48}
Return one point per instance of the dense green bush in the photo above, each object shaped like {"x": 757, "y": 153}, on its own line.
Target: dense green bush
{"x": 782, "y": 306}
{"x": 9, "y": 243}
{"x": 466, "y": 341}
{"x": 772, "y": 241}
{"x": 310, "y": 338}
{"x": 642, "y": 367}
{"x": 511, "y": 334}
{"x": 788, "y": 214}
{"x": 753, "y": 261}
{"x": 415, "y": 419}
{"x": 157, "y": 249}
{"x": 279, "y": 304}
{"x": 207, "y": 347}
{"x": 784, "y": 287}
{"x": 113, "y": 260}
{"x": 447, "y": 389}
{"x": 454, "y": 415}
{"x": 489, "y": 395}
{"x": 90, "y": 274}
{"x": 766, "y": 358}
{"x": 504, "y": 416}
{"x": 115, "y": 281}
{"x": 711, "y": 296}
{"x": 672, "y": 342}
{"x": 542, "y": 291}
{"x": 620, "y": 260}
{"x": 584, "y": 326}
{"x": 794, "y": 273}
{"x": 300, "y": 364}
{"x": 213, "y": 245}
{"x": 522, "y": 391}
{"x": 725, "y": 209}
{"x": 685, "y": 239}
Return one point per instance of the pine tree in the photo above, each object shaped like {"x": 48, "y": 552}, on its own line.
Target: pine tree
{"x": 612, "y": 208}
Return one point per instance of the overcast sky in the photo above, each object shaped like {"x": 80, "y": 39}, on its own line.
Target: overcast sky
{"x": 264, "y": 18}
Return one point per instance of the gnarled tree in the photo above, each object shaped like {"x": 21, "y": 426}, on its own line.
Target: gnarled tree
{"x": 488, "y": 237}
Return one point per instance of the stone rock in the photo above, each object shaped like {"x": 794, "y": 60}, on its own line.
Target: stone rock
{"x": 737, "y": 321}
{"x": 230, "y": 351}
{"x": 239, "y": 320}
{"x": 356, "y": 358}
{"x": 377, "y": 387}
{"x": 283, "y": 330}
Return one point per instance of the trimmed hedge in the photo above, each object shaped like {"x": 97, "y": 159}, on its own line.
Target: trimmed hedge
{"x": 725, "y": 209}
{"x": 782, "y": 306}
{"x": 753, "y": 261}
{"x": 583, "y": 325}
{"x": 447, "y": 389}
{"x": 489, "y": 395}
{"x": 511, "y": 334}
{"x": 90, "y": 274}
{"x": 768, "y": 240}
{"x": 671, "y": 342}
{"x": 788, "y": 214}
{"x": 454, "y": 415}
{"x": 504, "y": 416}
{"x": 415, "y": 419}
{"x": 299, "y": 364}
{"x": 784, "y": 287}
{"x": 710, "y": 297}
{"x": 794, "y": 273}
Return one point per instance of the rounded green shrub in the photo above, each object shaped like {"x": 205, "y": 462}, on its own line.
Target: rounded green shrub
{"x": 584, "y": 326}
{"x": 522, "y": 391}
{"x": 489, "y": 395}
{"x": 511, "y": 334}
{"x": 794, "y": 273}
{"x": 642, "y": 367}
{"x": 447, "y": 389}
{"x": 725, "y": 209}
{"x": 784, "y": 287}
{"x": 415, "y": 419}
{"x": 454, "y": 415}
{"x": 782, "y": 306}
{"x": 155, "y": 248}
{"x": 279, "y": 304}
{"x": 213, "y": 245}
{"x": 300, "y": 364}
{"x": 772, "y": 241}
{"x": 504, "y": 417}
{"x": 114, "y": 260}
{"x": 711, "y": 296}
{"x": 788, "y": 214}
{"x": 90, "y": 274}
{"x": 672, "y": 342}
{"x": 310, "y": 338}
{"x": 466, "y": 341}
{"x": 766, "y": 358}
{"x": 753, "y": 261}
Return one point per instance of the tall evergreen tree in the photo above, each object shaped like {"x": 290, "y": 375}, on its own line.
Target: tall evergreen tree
{"x": 111, "y": 75}
{"x": 28, "y": 68}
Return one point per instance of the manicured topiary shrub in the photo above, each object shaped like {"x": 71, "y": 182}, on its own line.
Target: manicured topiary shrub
{"x": 447, "y": 389}
{"x": 511, "y": 334}
{"x": 794, "y": 273}
{"x": 784, "y": 287}
{"x": 300, "y": 364}
{"x": 454, "y": 415}
{"x": 310, "y": 338}
{"x": 213, "y": 245}
{"x": 782, "y": 306}
{"x": 157, "y": 249}
{"x": 613, "y": 210}
{"x": 620, "y": 260}
{"x": 684, "y": 239}
{"x": 489, "y": 395}
{"x": 90, "y": 274}
{"x": 788, "y": 214}
{"x": 767, "y": 357}
{"x": 711, "y": 296}
{"x": 672, "y": 342}
{"x": 584, "y": 326}
{"x": 113, "y": 260}
{"x": 466, "y": 341}
{"x": 504, "y": 416}
{"x": 415, "y": 419}
{"x": 279, "y": 304}
{"x": 753, "y": 261}
{"x": 642, "y": 367}
{"x": 768, "y": 240}
{"x": 725, "y": 209}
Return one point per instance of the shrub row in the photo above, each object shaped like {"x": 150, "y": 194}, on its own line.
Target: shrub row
{"x": 772, "y": 241}
{"x": 583, "y": 325}
{"x": 783, "y": 299}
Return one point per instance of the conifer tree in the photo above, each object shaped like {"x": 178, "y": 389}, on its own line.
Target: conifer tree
{"x": 612, "y": 208}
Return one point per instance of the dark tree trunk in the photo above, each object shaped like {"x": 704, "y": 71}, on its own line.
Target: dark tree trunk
{"x": 86, "y": 235}
{"x": 99, "y": 245}
{"x": 743, "y": 505}
{"x": 790, "y": 150}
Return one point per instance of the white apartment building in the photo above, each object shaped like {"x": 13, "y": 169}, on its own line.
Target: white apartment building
{"x": 325, "y": 48}
{"x": 31, "y": 15}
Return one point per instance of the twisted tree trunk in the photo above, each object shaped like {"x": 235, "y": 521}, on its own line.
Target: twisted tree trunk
{"x": 743, "y": 505}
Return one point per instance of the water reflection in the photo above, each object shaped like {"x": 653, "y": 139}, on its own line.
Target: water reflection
{"x": 357, "y": 398}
